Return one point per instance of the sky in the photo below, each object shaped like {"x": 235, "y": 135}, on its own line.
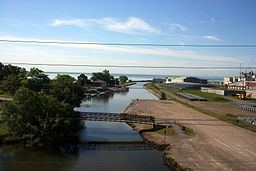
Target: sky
{"x": 134, "y": 21}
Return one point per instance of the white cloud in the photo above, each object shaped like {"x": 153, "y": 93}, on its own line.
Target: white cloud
{"x": 124, "y": 50}
{"x": 72, "y": 22}
{"x": 211, "y": 37}
{"x": 131, "y": 25}
{"x": 180, "y": 27}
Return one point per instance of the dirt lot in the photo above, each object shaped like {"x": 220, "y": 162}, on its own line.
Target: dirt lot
{"x": 217, "y": 145}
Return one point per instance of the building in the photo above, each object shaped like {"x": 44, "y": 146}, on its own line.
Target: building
{"x": 236, "y": 86}
{"x": 182, "y": 82}
{"x": 250, "y": 85}
{"x": 245, "y": 82}
{"x": 248, "y": 76}
{"x": 223, "y": 92}
{"x": 251, "y": 94}
{"x": 244, "y": 77}
{"x": 230, "y": 80}
{"x": 158, "y": 80}
{"x": 183, "y": 79}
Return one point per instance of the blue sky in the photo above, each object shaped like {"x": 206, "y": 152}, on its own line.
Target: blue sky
{"x": 133, "y": 21}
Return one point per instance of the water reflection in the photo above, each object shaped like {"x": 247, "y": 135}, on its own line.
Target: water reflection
{"x": 15, "y": 157}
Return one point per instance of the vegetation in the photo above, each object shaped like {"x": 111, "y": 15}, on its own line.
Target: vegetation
{"x": 165, "y": 131}
{"x": 162, "y": 130}
{"x": 169, "y": 89}
{"x": 40, "y": 119}
{"x": 42, "y": 110}
{"x": 162, "y": 96}
{"x": 153, "y": 87}
{"x": 187, "y": 130}
{"x": 208, "y": 96}
{"x": 104, "y": 76}
{"x": 123, "y": 79}
{"x": 10, "y": 78}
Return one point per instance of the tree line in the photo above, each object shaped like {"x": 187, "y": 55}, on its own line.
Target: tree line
{"x": 42, "y": 111}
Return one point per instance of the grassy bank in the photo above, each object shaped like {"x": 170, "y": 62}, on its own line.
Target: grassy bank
{"x": 228, "y": 117}
{"x": 208, "y": 96}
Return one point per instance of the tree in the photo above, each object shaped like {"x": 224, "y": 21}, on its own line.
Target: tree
{"x": 82, "y": 80}
{"x": 36, "y": 80}
{"x": 40, "y": 119}
{"x": 66, "y": 89}
{"x": 10, "y": 84}
{"x": 117, "y": 81}
{"x": 1, "y": 71}
{"x": 123, "y": 79}
{"x": 10, "y": 69}
{"x": 104, "y": 76}
{"x": 162, "y": 96}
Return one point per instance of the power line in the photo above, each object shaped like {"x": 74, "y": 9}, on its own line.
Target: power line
{"x": 129, "y": 66}
{"x": 133, "y": 44}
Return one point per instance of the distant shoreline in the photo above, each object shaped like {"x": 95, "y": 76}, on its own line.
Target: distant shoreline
{"x": 139, "y": 76}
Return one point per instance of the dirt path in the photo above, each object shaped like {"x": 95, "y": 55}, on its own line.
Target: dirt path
{"x": 217, "y": 145}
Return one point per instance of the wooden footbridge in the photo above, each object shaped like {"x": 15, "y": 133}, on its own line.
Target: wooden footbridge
{"x": 123, "y": 117}
{"x": 117, "y": 117}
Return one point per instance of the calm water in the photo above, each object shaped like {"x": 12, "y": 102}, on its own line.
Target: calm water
{"x": 16, "y": 158}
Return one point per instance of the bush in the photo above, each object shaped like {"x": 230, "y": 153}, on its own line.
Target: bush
{"x": 162, "y": 96}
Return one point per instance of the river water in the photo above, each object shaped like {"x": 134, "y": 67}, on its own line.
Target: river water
{"x": 15, "y": 157}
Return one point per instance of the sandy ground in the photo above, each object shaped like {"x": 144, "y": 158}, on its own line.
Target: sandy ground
{"x": 217, "y": 145}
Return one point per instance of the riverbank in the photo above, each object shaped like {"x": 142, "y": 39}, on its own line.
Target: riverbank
{"x": 215, "y": 144}
{"x": 158, "y": 141}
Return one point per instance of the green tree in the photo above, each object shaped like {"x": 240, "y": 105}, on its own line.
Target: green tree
{"x": 66, "y": 89}
{"x": 123, "y": 79}
{"x": 117, "y": 82}
{"x": 10, "y": 84}
{"x": 1, "y": 71}
{"x": 40, "y": 119}
{"x": 82, "y": 80}
{"x": 10, "y": 69}
{"x": 36, "y": 80}
{"x": 104, "y": 76}
{"x": 162, "y": 96}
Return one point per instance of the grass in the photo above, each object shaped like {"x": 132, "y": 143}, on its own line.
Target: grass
{"x": 165, "y": 131}
{"x": 208, "y": 96}
{"x": 187, "y": 130}
{"x": 169, "y": 89}
{"x": 162, "y": 131}
{"x": 227, "y": 118}
{"x": 151, "y": 86}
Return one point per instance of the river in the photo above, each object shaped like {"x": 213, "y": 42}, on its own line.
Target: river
{"x": 15, "y": 157}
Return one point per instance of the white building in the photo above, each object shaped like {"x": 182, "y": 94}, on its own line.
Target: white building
{"x": 183, "y": 79}
{"x": 175, "y": 79}
{"x": 230, "y": 80}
